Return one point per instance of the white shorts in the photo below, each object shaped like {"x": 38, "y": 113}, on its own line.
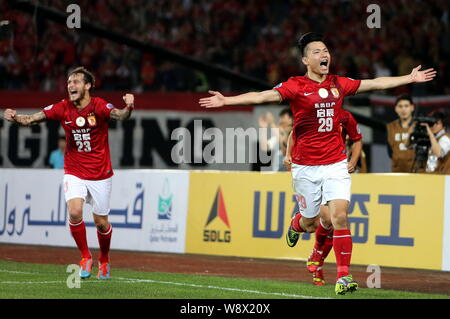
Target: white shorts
{"x": 316, "y": 185}
{"x": 95, "y": 193}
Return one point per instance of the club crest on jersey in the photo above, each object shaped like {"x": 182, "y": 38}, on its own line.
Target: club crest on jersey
{"x": 80, "y": 121}
{"x": 335, "y": 92}
{"x": 323, "y": 93}
{"x": 91, "y": 120}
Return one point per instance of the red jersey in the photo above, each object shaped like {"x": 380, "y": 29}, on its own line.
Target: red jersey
{"x": 87, "y": 153}
{"x": 350, "y": 127}
{"x": 317, "y": 109}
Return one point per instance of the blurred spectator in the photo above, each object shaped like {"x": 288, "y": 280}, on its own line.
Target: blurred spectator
{"x": 253, "y": 37}
{"x": 56, "y": 159}
{"x": 280, "y": 131}
{"x": 439, "y": 157}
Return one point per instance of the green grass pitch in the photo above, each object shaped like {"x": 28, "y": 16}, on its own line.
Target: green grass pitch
{"x": 41, "y": 281}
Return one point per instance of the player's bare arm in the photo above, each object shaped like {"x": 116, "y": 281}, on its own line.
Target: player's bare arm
{"x": 125, "y": 113}
{"x": 384, "y": 83}
{"x": 436, "y": 149}
{"x": 287, "y": 162}
{"x": 24, "y": 120}
{"x": 218, "y": 100}
{"x": 356, "y": 153}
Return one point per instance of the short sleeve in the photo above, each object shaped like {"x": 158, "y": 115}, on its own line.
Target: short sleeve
{"x": 352, "y": 128}
{"x": 288, "y": 90}
{"x": 348, "y": 85}
{"x": 104, "y": 108}
{"x": 55, "y": 111}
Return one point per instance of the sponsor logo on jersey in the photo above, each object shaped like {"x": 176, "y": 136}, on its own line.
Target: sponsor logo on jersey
{"x": 91, "y": 119}
{"x": 335, "y": 92}
{"x": 80, "y": 121}
{"x": 323, "y": 93}
{"x": 218, "y": 211}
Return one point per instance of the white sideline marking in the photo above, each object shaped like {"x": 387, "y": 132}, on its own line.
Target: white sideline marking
{"x": 132, "y": 280}
{"x": 219, "y": 288}
{"x": 17, "y": 272}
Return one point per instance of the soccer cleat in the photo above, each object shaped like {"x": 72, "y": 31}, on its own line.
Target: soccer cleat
{"x": 313, "y": 262}
{"x": 85, "y": 268}
{"x": 318, "y": 278}
{"x": 103, "y": 271}
{"x": 345, "y": 284}
{"x": 292, "y": 237}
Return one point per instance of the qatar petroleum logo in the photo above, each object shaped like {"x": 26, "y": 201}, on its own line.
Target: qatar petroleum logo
{"x": 165, "y": 200}
{"x": 218, "y": 211}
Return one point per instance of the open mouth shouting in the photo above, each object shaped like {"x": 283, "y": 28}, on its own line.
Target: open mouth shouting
{"x": 73, "y": 94}
{"x": 324, "y": 65}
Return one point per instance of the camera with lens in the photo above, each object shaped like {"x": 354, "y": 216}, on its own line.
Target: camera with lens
{"x": 420, "y": 141}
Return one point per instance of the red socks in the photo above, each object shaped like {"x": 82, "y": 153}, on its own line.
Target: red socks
{"x": 327, "y": 245}
{"x": 321, "y": 236}
{"x": 295, "y": 223}
{"x": 342, "y": 242}
{"x": 104, "y": 240}
{"x": 79, "y": 234}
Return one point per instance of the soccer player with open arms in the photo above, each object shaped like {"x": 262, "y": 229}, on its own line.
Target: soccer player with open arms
{"x": 87, "y": 162}
{"x": 319, "y": 168}
{"x": 324, "y": 233}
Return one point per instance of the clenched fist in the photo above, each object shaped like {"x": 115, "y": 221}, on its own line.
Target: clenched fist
{"x": 129, "y": 100}
{"x": 10, "y": 115}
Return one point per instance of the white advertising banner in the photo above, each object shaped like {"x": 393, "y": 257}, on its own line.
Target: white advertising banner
{"x": 148, "y": 209}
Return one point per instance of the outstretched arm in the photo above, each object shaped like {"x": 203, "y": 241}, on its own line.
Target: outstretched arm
{"x": 383, "y": 83}
{"x": 125, "y": 113}
{"x": 25, "y": 120}
{"x": 218, "y": 100}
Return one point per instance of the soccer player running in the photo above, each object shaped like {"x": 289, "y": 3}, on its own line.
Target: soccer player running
{"x": 319, "y": 168}
{"x": 87, "y": 162}
{"x": 324, "y": 232}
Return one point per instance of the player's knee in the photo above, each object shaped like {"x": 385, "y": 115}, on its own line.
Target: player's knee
{"x": 102, "y": 226}
{"x": 311, "y": 228}
{"x": 310, "y": 225}
{"x": 340, "y": 220}
{"x": 76, "y": 214}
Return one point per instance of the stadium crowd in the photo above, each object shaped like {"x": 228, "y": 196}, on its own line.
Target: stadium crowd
{"x": 255, "y": 37}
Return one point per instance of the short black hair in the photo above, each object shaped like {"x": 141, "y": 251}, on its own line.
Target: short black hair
{"x": 288, "y": 111}
{"x": 306, "y": 39}
{"x": 88, "y": 76}
{"x": 440, "y": 116}
{"x": 404, "y": 97}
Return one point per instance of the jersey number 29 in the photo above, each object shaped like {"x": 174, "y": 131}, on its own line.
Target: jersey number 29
{"x": 326, "y": 124}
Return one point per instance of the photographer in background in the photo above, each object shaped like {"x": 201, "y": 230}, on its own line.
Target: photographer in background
{"x": 398, "y": 132}
{"x": 438, "y": 157}
{"x": 278, "y": 142}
